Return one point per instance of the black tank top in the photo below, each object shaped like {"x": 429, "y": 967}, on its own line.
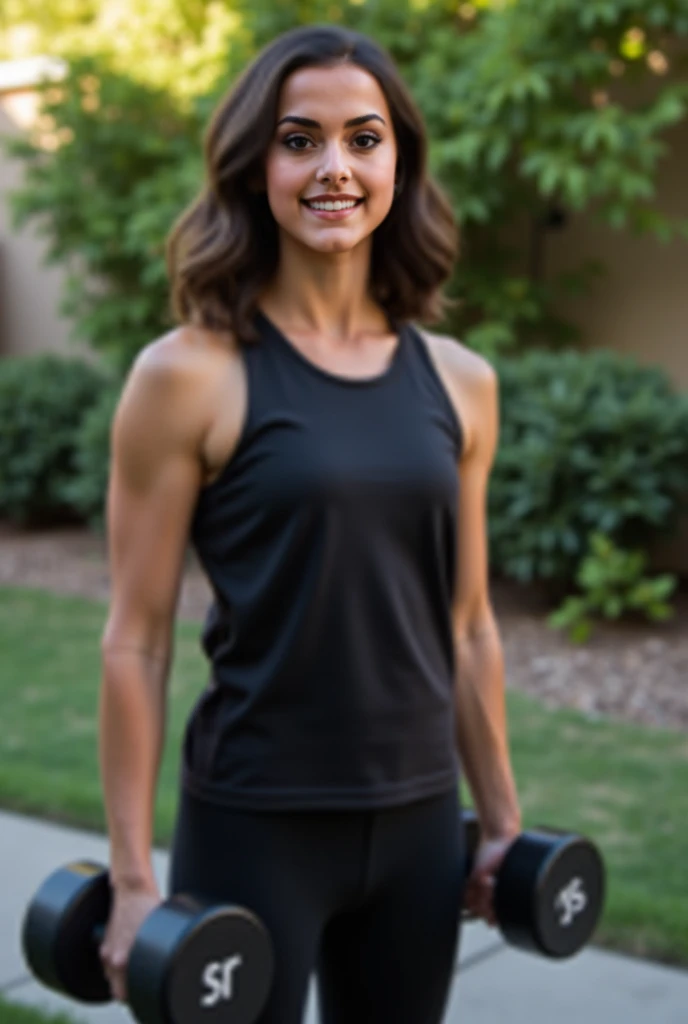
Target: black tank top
{"x": 329, "y": 540}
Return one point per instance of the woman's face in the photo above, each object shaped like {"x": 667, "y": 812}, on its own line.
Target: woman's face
{"x": 317, "y": 154}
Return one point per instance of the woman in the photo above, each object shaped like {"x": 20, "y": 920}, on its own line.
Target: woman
{"x": 329, "y": 461}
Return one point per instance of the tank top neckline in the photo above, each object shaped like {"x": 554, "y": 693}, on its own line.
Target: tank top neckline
{"x": 335, "y": 378}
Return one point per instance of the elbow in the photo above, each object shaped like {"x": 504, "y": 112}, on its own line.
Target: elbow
{"x": 150, "y": 640}
{"x": 476, "y": 624}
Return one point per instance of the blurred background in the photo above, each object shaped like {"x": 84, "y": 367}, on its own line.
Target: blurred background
{"x": 559, "y": 130}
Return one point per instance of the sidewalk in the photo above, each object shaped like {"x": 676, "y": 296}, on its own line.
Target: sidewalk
{"x": 496, "y": 983}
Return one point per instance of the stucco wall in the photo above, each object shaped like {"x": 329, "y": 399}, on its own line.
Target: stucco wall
{"x": 641, "y": 306}
{"x": 29, "y": 291}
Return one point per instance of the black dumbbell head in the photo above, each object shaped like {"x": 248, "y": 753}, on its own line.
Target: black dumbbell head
{"x": 57, "y": 933}
{"x": 196, "y": 964}
{"x": 549, "y": 893}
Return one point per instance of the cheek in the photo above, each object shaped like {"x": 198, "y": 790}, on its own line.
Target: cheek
{"x": 381, "y": 175}
{"x": 279, "y": 177}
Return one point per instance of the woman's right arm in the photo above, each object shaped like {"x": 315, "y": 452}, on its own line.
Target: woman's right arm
{"x": 155, "y": 475}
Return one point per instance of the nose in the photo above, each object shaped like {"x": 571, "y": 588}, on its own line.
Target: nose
{"x": 334, "y": 167}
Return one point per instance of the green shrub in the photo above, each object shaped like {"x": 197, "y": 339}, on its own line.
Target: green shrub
{"x": 612, "y": 583}
{"x": 43, "y": 400}
{"x": 588, "y": 442}
{"x": 88, "y": 490}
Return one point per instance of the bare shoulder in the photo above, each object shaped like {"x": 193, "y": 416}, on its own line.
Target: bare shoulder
{"x": 193, "y": 380}
{"x": 186, "y": 355}
{"x": 468, "y": 377}
{"x": 458, "y": 359}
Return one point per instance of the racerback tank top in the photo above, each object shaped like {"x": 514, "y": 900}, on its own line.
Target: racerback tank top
{"x": 329, "y": 540}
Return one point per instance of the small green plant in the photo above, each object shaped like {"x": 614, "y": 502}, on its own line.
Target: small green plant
{"x": 612, "y": 583}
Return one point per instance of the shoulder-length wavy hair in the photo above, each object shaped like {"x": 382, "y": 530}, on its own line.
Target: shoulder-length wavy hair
{"x": 223, "y": 249}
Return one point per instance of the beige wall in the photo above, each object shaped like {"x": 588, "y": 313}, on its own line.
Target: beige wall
{"x": 641, "y": 306}
{"x": 29, "y": 291}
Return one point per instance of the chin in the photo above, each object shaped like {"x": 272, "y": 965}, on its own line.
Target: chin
{"x": 332, "y": 244}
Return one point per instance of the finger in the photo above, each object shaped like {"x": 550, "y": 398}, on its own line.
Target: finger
{"x": 117, "y": 985}
{"x": 471, "y": 899}
{"x": 116, "y": 972}
{"x": 485, "y": 900}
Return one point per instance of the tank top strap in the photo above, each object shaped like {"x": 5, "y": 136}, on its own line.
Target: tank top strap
{"x": 422, "y": 365}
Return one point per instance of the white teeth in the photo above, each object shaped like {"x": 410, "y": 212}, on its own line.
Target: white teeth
{"x": 348, "y": 205}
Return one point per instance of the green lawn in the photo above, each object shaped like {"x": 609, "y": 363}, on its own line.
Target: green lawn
{"x": 622, "y": 785}
{"x": 13, "y": 1013}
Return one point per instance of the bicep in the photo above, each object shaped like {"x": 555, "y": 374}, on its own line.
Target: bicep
{"x": 471, "y": 607}
{"x": 155, "y": 474}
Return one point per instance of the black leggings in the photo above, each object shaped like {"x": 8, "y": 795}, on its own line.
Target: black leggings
{"x": 369, "y": 900}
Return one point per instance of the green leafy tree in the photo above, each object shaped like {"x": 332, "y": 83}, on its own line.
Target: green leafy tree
{"x": 106, "y": 175}
{"x": 537, "y": 110}
{"x": 177, "y": 45}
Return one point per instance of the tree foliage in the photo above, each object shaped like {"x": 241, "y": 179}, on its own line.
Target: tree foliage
{"x": 105, "y": 177}
{"x": 537, "y": 110}
{"x": 177, "y": 45}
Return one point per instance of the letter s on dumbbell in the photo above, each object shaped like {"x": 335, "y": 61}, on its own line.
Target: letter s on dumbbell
{"x": 571, "y": 900}
{"x": 217, "y": 977}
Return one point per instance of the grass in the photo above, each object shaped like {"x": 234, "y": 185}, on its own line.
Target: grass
{"x": 15, "y": 1013}
{"x": 624, "y": 786}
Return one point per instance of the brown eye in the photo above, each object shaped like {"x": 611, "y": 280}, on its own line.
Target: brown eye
{"x": 295, "y": 138}
{"x": 374, "y": 139}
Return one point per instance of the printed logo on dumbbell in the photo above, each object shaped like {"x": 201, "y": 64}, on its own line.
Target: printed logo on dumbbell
{"x": 572, "y": 900}
{"x": 217, "y": 977}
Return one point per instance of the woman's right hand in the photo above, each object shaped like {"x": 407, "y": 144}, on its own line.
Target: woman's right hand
{"x": 129, "y": 909}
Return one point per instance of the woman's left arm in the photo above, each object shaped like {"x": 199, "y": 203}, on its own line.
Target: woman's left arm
{"x": 480, "y": 711}
{"x": 481, "y": 724}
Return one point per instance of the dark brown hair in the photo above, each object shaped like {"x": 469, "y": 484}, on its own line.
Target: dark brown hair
{"x": 223, "y": 248}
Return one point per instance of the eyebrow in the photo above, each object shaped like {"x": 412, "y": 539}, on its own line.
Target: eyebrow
{"x": 308, "y": 122}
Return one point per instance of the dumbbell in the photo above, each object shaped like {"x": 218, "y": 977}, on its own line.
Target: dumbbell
{"x": 549, "y": 889}
{"x": 190, "y": 962}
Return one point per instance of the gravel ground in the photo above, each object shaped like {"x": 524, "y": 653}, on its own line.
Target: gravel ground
{"x": 633, "y": 671}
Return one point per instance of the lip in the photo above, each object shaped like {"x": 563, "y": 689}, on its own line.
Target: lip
{"x": 332, "y": 214}
{"x": 330, "y": 197}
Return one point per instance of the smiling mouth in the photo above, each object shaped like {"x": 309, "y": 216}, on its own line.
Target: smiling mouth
{"x": 332, "y": 207}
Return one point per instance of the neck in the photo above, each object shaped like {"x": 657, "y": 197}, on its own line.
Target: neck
{"x": 325, "y": 294}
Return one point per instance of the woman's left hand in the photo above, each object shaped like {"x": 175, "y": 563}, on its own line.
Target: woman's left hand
{"x": 478, "y": 893}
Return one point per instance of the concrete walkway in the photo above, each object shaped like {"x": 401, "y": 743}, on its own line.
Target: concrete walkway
{"x": 496, "y": 983}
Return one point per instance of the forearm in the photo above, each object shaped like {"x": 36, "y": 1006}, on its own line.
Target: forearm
{"x": 132, "y": 725}
{"x": 482, "y": 734}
